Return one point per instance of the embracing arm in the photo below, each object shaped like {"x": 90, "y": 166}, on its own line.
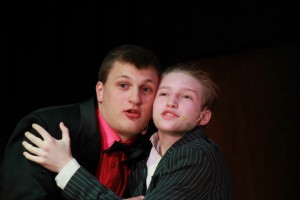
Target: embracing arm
{"x": 56, "y": 156}
{"x": 84, "y": 185}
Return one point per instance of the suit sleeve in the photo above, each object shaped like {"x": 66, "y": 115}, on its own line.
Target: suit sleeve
{"x": 24, "y": 179}
{"x": 21, "y": 178}
{"x": 84, "y": 185}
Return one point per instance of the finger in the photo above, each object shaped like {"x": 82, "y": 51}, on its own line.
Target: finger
{"x": 64, "y": 131}
{"x": 34, "y": 150}
{"x": 35, "y": 140}
{"x": 45, "y": 135}
{"x": 33, "y": 158}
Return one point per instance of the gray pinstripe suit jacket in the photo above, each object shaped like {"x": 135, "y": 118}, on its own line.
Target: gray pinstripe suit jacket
{"x": 193, "y": 168}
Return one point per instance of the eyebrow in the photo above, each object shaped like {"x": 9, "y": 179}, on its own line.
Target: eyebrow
{"x": 122, "y": 76}
{"x": 185, "y": 89}
{"x": 128, "y": 77}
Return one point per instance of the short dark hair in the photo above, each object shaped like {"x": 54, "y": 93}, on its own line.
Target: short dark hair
{"x": 140, "y": 57}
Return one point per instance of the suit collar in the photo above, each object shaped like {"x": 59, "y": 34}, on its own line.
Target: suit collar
{"x": 194, "y": 135}
{"x": 89, "y": 116}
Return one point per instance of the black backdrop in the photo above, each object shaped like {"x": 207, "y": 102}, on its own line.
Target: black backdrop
{"x": 52, "y": 50}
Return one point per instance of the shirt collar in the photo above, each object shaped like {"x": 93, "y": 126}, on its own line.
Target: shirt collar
{"x": 155, "y": 142}
{"x": 109, "y": 136}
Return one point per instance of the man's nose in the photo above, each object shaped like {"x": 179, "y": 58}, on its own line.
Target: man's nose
{"x": 135, "y": 96}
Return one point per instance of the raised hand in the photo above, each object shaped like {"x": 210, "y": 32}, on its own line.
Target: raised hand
{"x": 50, "y": 153}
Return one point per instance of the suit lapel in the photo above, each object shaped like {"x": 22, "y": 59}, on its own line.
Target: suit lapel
{"x": 193, "y": 135}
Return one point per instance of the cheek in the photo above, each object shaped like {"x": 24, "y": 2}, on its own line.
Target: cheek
{"x": 147, "y": 102}
{"x": 119, "y": 96}
{"x": 148, "y": 99}
{"x": 157, "y": 109}
{"x": 156, "y": 105}
{"x": 192, "y": 112}
{"x": 155, "y": 117}
{"x": 149, "y": 110}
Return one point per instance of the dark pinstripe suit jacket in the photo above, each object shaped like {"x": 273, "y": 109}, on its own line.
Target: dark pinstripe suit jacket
{"x": 193, "y": 168}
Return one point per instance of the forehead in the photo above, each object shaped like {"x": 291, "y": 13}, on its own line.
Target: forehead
{"x": 180, "y": 80}
{"x": 128, "y": 70}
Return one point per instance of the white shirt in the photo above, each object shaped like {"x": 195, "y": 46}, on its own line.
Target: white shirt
{"x": 63, "y": 177}
{"x": 153, "y": 159}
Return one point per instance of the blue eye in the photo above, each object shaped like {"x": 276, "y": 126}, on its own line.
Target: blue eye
{"x": 186, "y": 97}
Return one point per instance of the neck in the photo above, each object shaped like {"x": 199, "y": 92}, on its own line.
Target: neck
{"x": 166, "y": 140}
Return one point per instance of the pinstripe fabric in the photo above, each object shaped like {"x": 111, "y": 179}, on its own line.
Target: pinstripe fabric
{"x": 84, "y": 185}
{"x": 193, "y": 168}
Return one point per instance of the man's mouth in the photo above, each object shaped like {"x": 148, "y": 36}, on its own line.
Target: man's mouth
{"x": 132, "y": 113}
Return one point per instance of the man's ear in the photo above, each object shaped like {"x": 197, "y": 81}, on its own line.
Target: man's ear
{"x": 205, "y": 117}
{"x": 99, "y": 91}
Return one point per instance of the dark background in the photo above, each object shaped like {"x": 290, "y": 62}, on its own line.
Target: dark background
{"x": 51, "y": 51}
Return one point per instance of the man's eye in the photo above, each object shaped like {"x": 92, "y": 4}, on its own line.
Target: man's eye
{"x": 122, "y": 85}
{"x": 147, "y": 90}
